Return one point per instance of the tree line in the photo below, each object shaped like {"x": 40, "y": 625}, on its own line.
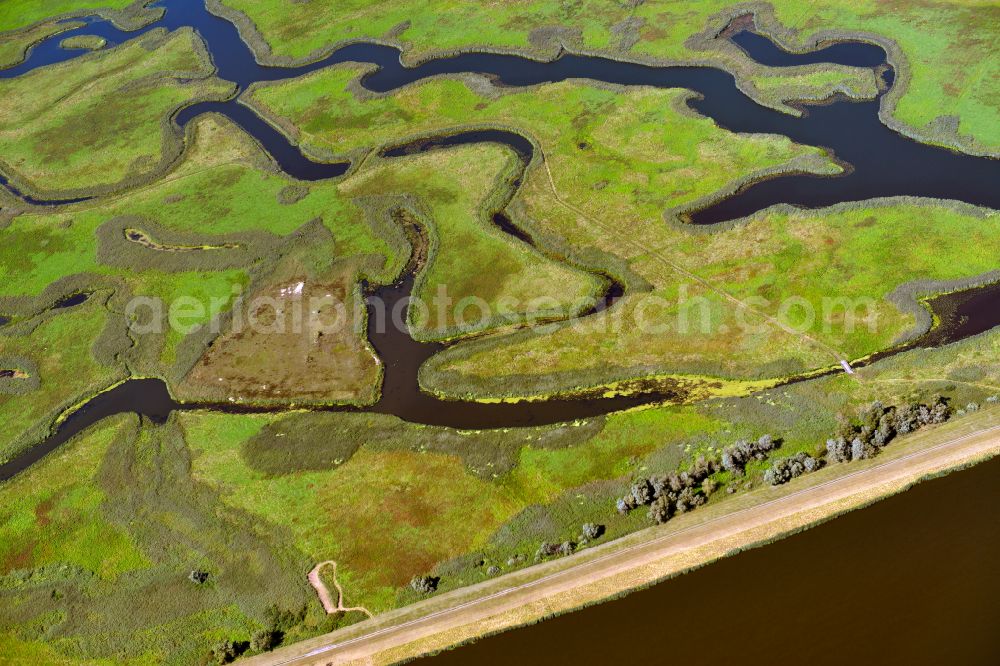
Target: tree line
{"x": 673, "y": 493}
{"x": 879, "y": 425}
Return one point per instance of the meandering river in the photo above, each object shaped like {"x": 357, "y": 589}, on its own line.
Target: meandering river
{"x": 882, "y": 163}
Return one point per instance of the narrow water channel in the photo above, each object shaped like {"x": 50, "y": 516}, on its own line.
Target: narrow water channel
{"x": 909, "y": 581}
{"x": 962, "y": 314}
{"x": 883, "y": 163}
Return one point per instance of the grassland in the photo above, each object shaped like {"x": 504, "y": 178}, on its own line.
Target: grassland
{"x": 605, "y": 151}
{"x": 398, "y": 498}
{"x": 634, "y": 151}
{"x": 224, "y": 193}
{"x": 102, "y": 121}
{"x": 223, "y": 189}
{"x": 646, "y": 129}
{"x": 695, "y": 327}
{"x": 471, "y": 262}
{"x": 940, "y": 49}
{"x": 578, "y": 480}
{"x": 18, "y": 14}
{"x": 643, "y": 442}
{"x": 57, "y": 350}
{"x": 422, "y": 495}
{"x": 99, "y": 540}
{"x": 650, "y": 556}
{"x": 98, "y": 547}
{"x": 56, "y": 518}
{"x": 779, "y": 88}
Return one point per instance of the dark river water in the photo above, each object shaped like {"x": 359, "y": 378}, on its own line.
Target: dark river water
{"x": 909, "y": 581}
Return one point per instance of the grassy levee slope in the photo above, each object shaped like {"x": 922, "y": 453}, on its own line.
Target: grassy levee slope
{"x": 101, "y": 122}
{"x": 950, "y": 82}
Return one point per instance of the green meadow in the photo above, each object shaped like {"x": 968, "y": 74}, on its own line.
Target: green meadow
{"x": 804, "y": 276}
{"x": 637, "y": 155}
{"x": 18, "y": 14}
{"x": 58, "y": 357}
{"x": 100, "y": 122}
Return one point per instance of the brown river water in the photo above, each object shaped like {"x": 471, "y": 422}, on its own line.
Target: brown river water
{"x": 910, "y": 580}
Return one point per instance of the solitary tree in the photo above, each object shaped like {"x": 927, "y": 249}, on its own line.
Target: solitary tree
{"x": 592, "y": 531}
{"x": 425, "y": 584}
{"x": 660, "y": 510}
{"x": 265, "y": 641}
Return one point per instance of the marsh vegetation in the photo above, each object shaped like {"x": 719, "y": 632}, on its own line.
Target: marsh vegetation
{"x": 187, "y": 536}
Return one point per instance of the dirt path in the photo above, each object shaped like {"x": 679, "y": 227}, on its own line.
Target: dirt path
{"x": 604, "y": 571}
{"x": 935, "y": 380}
{"x": 324, "y": 594}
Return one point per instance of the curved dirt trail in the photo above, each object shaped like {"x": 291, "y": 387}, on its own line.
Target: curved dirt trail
{"x": 324, "y": 594}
